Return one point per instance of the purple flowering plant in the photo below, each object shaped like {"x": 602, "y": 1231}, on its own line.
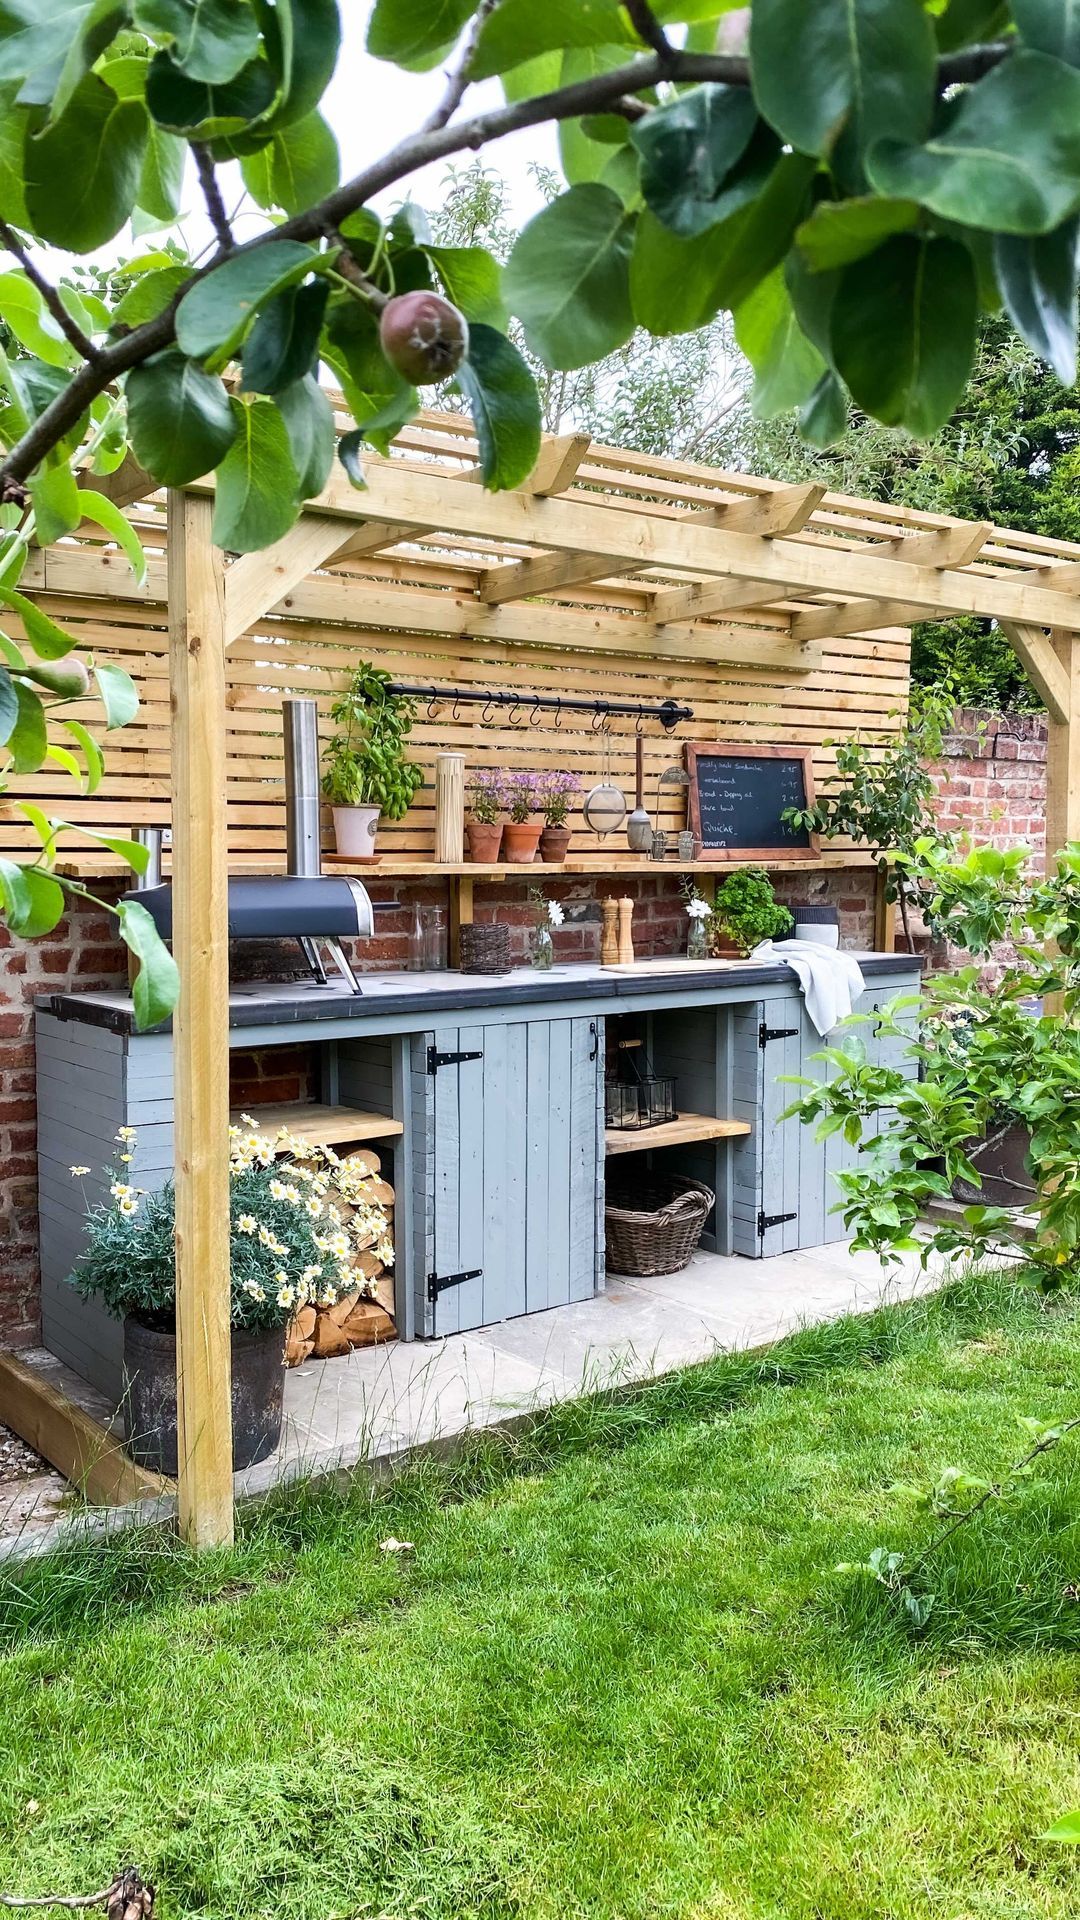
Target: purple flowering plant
{"x": 556, "y": 789}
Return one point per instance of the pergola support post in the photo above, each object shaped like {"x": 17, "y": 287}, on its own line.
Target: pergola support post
{"x": 201, "y": 1023}
{"x": 1063, "y": 755}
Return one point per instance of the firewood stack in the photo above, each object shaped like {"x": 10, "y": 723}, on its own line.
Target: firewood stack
{"x": 356, "y": 1319}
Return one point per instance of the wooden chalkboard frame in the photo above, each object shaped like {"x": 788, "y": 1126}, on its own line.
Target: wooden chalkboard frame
{"x": 735, "y": 750}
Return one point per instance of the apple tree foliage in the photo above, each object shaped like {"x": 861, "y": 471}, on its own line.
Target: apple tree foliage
{"x": 857, "y": 184}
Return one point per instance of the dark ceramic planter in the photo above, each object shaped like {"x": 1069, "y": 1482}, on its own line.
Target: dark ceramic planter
{"x": 554, "y": 842}
{"x": 258, "y": 1377}
{"x": 1006, "y": 1181}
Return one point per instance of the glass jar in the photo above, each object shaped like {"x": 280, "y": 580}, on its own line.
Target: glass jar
{"x": 697, "y": 938}
{"x": 435, "y": 940}
{"x": 542, "y": 948}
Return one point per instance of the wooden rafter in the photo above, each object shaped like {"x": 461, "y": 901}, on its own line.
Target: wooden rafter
{"x": 858, "y": 616}
{"x": 257, "y": 580}
{"x": 1042, "y": 663}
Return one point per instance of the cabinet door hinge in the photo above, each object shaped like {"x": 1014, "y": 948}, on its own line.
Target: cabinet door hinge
{"x": 438, "y": 1282}
{"x": 765, "y": 1033}
{"x": 767, "y": 1220}
{"x": 435, "y": 1059}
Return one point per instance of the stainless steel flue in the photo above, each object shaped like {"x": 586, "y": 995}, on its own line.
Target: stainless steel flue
{"x": 300, "y": 726}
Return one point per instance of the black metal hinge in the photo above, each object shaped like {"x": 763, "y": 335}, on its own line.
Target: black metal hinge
{"x": 438, "y": 1282}
{"x": 765, "y": 1033}
{"x": 435, "y": 1059}
{"x": 767, "y": 1220}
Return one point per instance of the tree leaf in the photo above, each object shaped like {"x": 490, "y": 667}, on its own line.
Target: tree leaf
{"x": 568, "y": 278}
{"x": 55, "y": 499}
{"x": 82, "y": 173}
{"x": 349, "y": 449}
{"x": 118, "y": 692}
{"x": 208, "y": 39}
{"x": 27, "y": 740}
{"x": 309, "y": 423}
{"x": 903, "y": 331}
{"x": 283, "y": 344}
{"x": 39, "y": 39}
{"x": 1067, "y": 1829}
{"x": 1050, "y": 26}
{"x": 518, "y": 30}
{"x": 25, "y": 312}
{"x": 1007, "y": 158}
{"x": 299, "y": 166}
{"x": 303, "y": 38}
{"x": 416, "y": 34}
{"x": 258, "y": 489}
{"x": 865, "y": 65}
{"x": 49, "y": 641}
{"x": 823, "y": 420}
{"x": 105, "y": 513}
{"x": 472, "y": 279}
{"x": 583, "y": 159}
{"x": 505, "y": 407}
{"x": 149, "y": 296}
{"x": 839, "y": 231}
{"x": 688, "y": 149}
{"x": 156, "y": 986}
{"x": 215, "y": 315}
{"x": 161, "y": 178}
{"x": 92, "y": 754}
{"x": 786, "y": 364}
{"x": 33, "y": 901}
{"x": 1037, "y": 278}
{"x": 9, "y": 706}
{"x": 179, "y": 418}
{"x": 195, "y": 107}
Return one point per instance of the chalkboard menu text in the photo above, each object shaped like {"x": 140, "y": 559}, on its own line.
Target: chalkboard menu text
{"x": 737, "y": 799}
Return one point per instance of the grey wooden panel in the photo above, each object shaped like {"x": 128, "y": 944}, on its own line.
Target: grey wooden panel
{"x": 469, "y": 1082}
{"x": 365, "y": 1074}
{"x": 553, "y": 1119}
{"x": 447, "y": 1182}
{"x": 586, "y": 1169}
{"x": 497, "y": 1149}
{"x": 536, "y": 1164}
{"x": 747, "y": 1064}
{"x": 511, "y": 1204}
{"x": 422, "y": 1178}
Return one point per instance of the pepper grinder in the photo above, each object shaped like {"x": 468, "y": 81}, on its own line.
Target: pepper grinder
{"x": 609, "y": 937}
{"x": 626, "y": 933}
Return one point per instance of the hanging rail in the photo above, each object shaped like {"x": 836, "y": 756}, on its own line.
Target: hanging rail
{"x": 668, "y": 712}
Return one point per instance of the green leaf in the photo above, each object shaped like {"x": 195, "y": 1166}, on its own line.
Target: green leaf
{"x": 303, "y": 38}
{"x": 839, "y": 231}
{"x": 416, "y": 34}
{"x": 105, "y": 513}
{"x": 299, "y": 166}
{"x": 82, "y": 173}
{"x": 149, "y": 296}
{"x": 92, "y": 754}
{"x": 27, "y": 740}
{"x": 195, "y": 107}
{"x": 786, "y": 365}
{"x": 688, "y": 149}
{"x": 215, "y": 315}
{"x": 13, "y": 124}
{"x": 118, "y": 693}
{"x": 33, "y": 901}
{"x": 36, "y": 42}
{"x": 258, "y": 489}
{"x": 161, "y": 179}
{"x": 518, "y": 30}
{"x": 9, "y": 706}
{"x": 156, "y": 986}
{"x": 1050, "y": 26}
{"x": 583, "y": 159}
{"x": 55, "y": 499}
{"x": 49, "y": 641}
{"x": 136, "y": 855}
{"x": 25, "y": 312}
{"x": 208, "y": 39}
{"x": 505, "y": 407}
{"x": 1067, "y": 1829}
{"x": 1007, "y": 158}
{"x": 349, "y": 447}
{"x": 903, "y": 331}
{"x": 1037, "y": 278}
{"x": 568, "y": 278}
{"x": 179, "y": 418}
{"x": 867, "y": 66}
{"x": 540, "y": 75}
{"x": 309, "y": 423}
{"x": 472, "y": 279}
{"x": 823, "y": 420}
{"x": 283, "y": 344}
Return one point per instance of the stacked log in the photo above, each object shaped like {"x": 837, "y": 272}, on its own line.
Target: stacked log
{"x": 363, "y": 1318}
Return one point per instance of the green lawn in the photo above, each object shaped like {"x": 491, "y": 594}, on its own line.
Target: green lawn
{"x": 617, "y": 1677}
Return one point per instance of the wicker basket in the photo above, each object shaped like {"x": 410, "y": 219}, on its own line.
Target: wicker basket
{"x": 485, "y": 949}
{"x": 656, "y": 1226}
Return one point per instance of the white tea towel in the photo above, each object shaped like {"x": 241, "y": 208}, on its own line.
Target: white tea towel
{"x": 831, "y": 980}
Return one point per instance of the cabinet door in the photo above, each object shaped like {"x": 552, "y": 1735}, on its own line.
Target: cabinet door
{"x": 512, "y": 1171}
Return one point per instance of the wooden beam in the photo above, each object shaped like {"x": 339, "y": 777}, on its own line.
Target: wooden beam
{"x": 784, "y": 510}
{"x": 857, "y": 616}
{"x": 256, "y": 581}
{"x": 556, "y": 468}
{"x": 201, "y": 1023}
{"x": 1043, "y": 664}
{"x": 713, "y": 596}
{"x": 954, "y": 546}
{"x": 71, "y": 1440}
{"x": 128, "y": 483}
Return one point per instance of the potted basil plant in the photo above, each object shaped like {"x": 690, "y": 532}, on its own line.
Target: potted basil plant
{"x": 367, "y": 774}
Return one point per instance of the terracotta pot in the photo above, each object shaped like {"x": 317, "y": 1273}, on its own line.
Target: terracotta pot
{"x": 520, "y": 841}
{"x": 258, "y": 1375}
{"x": 484, "y": 839}
{"x": 354, "y": 831}
{"x": 553, "y": 844}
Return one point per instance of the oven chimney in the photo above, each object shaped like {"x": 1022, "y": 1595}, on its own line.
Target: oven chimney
{"x": 300, "y": 726}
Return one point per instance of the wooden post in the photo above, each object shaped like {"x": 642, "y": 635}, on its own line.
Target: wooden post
{"x": 461, "y": 913}
{"x": 1063, "y": 758}
{"x": 201, "y": 1024}
{"x": 884, "y": 917}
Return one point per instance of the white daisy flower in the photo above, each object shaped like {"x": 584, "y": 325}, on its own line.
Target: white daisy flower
{"x": 78, "y": 1172}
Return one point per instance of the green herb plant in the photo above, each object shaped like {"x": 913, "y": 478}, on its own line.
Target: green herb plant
{"x": 366, "y": 764}
{"x": 747, "y": 910}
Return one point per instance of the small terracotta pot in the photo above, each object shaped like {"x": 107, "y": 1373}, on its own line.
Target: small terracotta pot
{"x": 520, "y": 841}
{"x": 485, "y": 840}
{"x": 553, "y": 844}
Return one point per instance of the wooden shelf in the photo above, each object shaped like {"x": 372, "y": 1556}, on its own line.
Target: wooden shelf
{"x": 673, "y": 1133}
{"x": 611, "y": 869}
{"x": 325, "y": 1126}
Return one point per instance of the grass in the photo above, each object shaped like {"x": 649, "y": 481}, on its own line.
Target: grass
{"x": 615, "y": 1678}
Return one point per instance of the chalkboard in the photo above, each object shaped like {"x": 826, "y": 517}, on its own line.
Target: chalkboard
{"x": 737, "y": 798}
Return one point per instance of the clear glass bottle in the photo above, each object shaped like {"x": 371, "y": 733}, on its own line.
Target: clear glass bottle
{"x": 697, "y": 939}
{"x": 417, "y": 939}
{"x": 541, "y": 948}
{"x": 435, "y": 940}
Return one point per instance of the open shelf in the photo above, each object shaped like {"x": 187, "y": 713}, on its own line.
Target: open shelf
{"x": 672, "y": 1133}
{"x": 324, "y": 1126}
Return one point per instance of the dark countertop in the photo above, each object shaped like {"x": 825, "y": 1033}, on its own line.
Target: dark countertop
{"x": 292, "y": 1003}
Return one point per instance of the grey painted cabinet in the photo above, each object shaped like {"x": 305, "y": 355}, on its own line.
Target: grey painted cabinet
{"x": 508, "y": 1124}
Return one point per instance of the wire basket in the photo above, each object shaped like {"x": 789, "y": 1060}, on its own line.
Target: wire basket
{"x": 654, "y": 1227}
{"x": 485, "y": 949}
{"x": 630, "y": 1105}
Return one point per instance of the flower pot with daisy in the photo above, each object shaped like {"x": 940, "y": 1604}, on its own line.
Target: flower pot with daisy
{"x": 297, "y": 1240}
{"x": 484, "y": 831}
{"x": 556, "y": 791}
{"x": 521, "y": 834}
{"x": 549, "y": 914}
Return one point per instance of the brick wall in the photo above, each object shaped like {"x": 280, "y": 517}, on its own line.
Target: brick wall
{"x": 991, "y": 780}
{"x": 84, "y": 953}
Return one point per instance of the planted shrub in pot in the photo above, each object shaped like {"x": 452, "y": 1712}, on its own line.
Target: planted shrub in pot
{"x": 555, "y": 791}
{"x": 484, "y": 830}
{"x": 296, "y": 1240}
{"x": 521, "y": 834}
{"x": 367, "y": 773}
{"x": 746, "y": 911}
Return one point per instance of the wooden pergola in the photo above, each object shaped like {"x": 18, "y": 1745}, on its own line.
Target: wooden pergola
{"x": 605, "y": 563}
